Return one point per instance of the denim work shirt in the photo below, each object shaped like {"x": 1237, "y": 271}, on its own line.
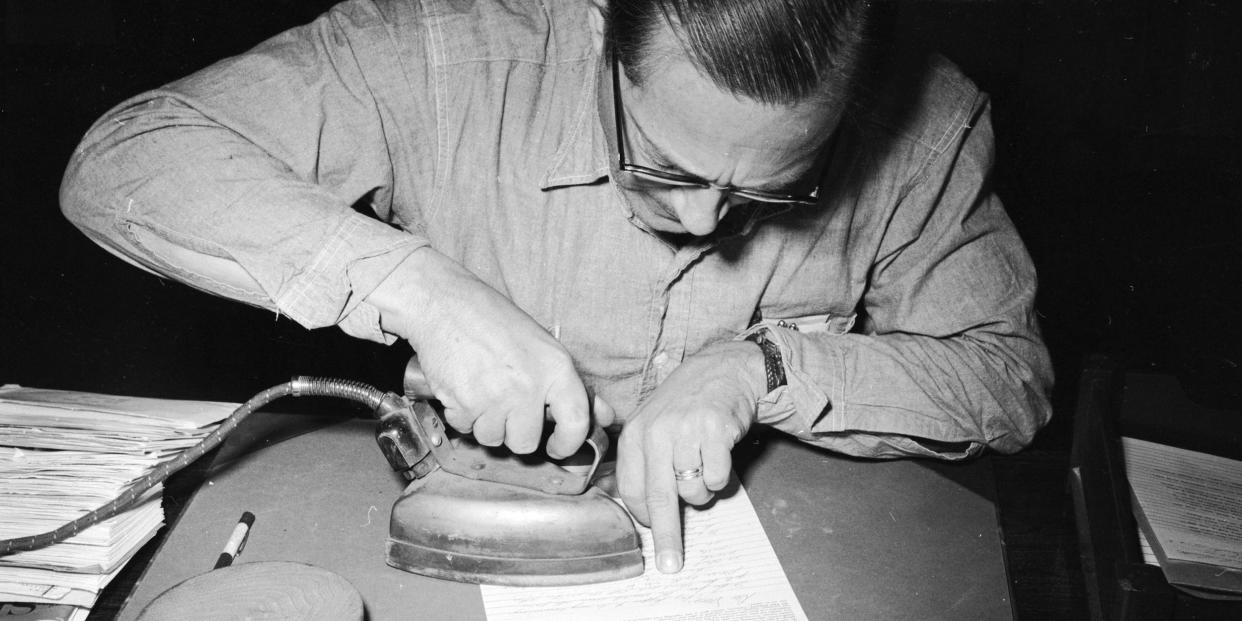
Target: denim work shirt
{"x": 902, "y": 304}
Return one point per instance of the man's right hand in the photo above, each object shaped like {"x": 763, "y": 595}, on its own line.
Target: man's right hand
{"x": 492, "y": 366}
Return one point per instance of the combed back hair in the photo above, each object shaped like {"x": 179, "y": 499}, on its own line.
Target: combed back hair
{"x": 778, "y": 52}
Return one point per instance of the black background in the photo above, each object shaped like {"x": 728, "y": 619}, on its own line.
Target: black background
{"x": 1118, "y": 129}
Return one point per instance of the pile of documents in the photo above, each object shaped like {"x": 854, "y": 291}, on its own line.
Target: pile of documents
{"x": 1188, "y": 506}
{"x": 63, "y": 454}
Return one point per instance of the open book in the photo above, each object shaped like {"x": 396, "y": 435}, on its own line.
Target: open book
{"x": 1188, "y": 506}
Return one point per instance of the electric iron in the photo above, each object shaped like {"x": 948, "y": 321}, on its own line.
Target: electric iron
{"x": 482, "y": 515}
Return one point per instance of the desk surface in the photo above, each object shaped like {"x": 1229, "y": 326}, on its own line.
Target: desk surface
{"x": 858, "y": 540}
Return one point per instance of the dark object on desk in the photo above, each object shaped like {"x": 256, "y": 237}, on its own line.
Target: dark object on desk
{"x": 236, "y": 542}
{"x": 1120, "y": 586}
{"x": 269, "y": 590}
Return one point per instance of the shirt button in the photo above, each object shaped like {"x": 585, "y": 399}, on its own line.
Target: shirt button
{"x": 660, "y": 359}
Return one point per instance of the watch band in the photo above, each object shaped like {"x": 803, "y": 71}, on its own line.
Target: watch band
{"x": 772, "y": 364}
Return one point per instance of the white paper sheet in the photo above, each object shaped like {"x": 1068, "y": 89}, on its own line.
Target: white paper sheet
{"x": 731, "y": 573}
{"x": 66, "y": 407}
{"x": 1193, "y": 501}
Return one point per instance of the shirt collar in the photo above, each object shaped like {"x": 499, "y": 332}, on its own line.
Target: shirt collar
{"x": 582, "y": 156}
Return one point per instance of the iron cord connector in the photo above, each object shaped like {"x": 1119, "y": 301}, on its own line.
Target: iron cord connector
{"x": 407, "y": 442}
{"x": 304, "y": 386}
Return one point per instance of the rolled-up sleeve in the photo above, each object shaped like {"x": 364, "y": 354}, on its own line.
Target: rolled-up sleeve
{"x": 947, "y": 358}
{"x": 254, "y": 162}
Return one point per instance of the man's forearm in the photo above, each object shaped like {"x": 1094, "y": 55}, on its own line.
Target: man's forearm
{"x": 408, "y": 299}
{"x": 901, "y": 394}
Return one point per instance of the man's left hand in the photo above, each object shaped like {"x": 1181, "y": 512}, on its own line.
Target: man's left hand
{"x": 678, "y": 445}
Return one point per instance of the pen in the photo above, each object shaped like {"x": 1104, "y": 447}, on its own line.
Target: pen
{"x": 236, "y": 541}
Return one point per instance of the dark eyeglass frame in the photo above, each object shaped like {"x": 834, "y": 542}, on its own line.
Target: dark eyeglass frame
{"x": 665, "y": 177}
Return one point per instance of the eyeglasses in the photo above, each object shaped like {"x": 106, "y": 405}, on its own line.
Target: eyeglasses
{"x": 665, "y": 177}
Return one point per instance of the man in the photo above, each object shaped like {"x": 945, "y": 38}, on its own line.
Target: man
{"x": 687, "y": 216}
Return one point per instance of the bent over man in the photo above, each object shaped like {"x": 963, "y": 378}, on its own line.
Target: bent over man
{"x": 685, "y": 216}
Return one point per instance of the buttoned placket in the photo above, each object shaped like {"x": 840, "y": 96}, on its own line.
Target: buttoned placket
{"x": 668, "y": 318}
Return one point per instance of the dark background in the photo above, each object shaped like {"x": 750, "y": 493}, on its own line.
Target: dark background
{"x": 1118, "y": 128}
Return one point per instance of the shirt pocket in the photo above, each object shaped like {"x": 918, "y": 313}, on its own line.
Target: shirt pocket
{"x": 826, "y": 323}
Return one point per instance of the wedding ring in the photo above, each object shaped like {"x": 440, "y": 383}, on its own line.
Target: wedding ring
{"x": 688, "y": 474}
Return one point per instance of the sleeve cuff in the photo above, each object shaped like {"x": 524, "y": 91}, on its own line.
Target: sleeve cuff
{"x": 817, "y": 415}
{"x": 332, "y": 290}
{"x": 796, "y": 407}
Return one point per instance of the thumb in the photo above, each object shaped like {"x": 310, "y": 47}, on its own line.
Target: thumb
{"x": 569, "y": 408}
{"x": 602, "y": 412}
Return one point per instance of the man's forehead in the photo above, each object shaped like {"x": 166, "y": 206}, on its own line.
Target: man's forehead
{"x": 679, "y": 112}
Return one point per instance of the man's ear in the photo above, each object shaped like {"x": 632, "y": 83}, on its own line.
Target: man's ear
{"x": 596, "y": 10}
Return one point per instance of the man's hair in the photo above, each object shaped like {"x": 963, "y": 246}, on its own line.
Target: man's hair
{"x": 778, "y": 52}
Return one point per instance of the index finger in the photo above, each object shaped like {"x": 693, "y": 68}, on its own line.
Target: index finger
{"x": 664, "y": 511}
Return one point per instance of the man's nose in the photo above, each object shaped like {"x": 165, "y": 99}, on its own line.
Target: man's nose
{"x": 700, "y": 210}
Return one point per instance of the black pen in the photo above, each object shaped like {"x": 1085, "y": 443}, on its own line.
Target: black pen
{"x": 236, "y": 542}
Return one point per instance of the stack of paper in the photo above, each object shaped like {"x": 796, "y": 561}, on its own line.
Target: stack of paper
{"x": 1188, "y": 506}
{"x": 63, "y": 454}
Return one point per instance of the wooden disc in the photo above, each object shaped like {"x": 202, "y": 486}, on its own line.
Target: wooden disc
{"x": 262, "y": 590}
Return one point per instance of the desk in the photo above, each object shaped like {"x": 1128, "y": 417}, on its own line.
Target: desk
{"x": 858, "y": 539}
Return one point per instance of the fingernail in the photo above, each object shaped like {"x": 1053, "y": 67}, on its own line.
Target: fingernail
{"x": 668, "y": 562}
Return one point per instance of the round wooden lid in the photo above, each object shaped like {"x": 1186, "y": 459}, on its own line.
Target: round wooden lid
{"x": 262, "y": 590}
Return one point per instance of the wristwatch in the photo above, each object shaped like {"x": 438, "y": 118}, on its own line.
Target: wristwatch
{"x": 772, "y": 365}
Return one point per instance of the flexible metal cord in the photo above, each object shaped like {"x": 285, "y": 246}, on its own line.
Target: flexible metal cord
{"x": 300, "y": 386}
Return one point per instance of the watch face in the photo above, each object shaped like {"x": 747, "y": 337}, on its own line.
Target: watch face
{"x": 772, "y": 364}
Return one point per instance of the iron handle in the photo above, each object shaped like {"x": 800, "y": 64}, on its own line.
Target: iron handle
{"x": 465, "y": 457}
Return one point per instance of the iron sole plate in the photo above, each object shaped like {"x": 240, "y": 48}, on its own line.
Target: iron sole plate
{"x": 509, "y": 571}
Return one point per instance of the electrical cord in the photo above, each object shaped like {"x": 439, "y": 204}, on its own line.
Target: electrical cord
{"x": 298, "y": 387}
